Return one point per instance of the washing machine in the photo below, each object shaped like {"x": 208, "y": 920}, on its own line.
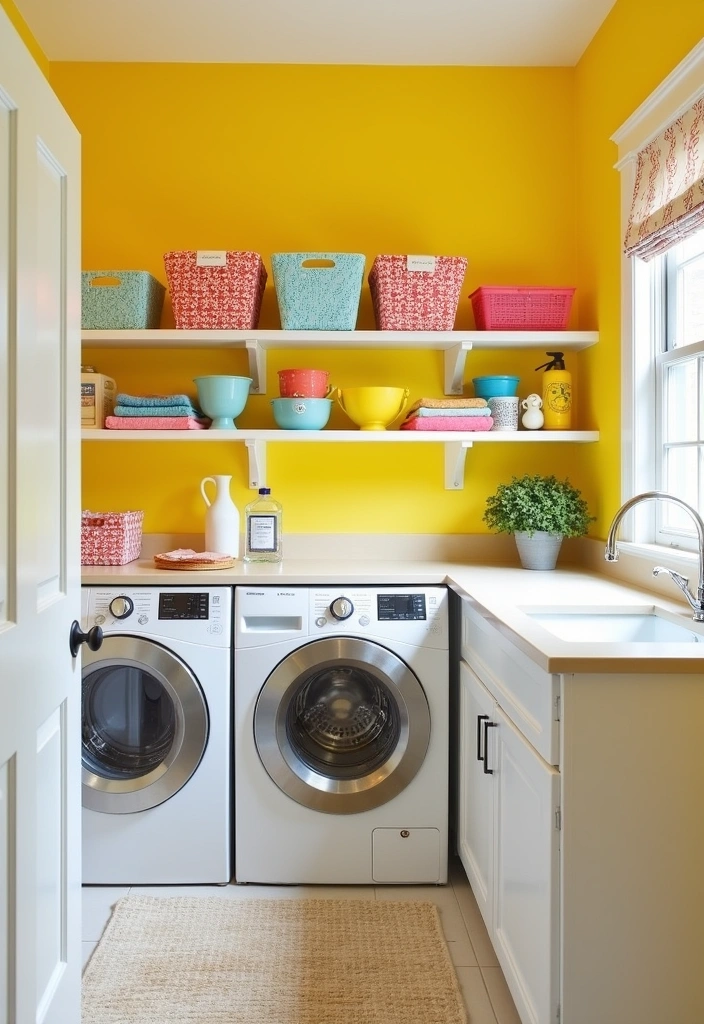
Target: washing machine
{"x": 157, "y": 736}
{"x": 341, "y": 734}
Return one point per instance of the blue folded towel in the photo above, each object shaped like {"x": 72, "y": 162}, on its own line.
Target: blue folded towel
{"x": 154, "y": 401}
{"x": 162, "y": 410}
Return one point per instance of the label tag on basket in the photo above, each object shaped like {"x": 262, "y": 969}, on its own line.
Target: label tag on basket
{"x": 426, "y": 263}
{"x": 211, "y": 258}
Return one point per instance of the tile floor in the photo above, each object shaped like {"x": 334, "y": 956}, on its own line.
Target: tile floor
{"x": 486, "y": 995}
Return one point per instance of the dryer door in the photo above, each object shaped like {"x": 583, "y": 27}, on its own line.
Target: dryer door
{"x": 342, "y": 725}
{"x": 145, "y": 725}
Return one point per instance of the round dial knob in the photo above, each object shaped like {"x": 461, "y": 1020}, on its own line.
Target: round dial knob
{"x": 341, "y": 608}
{"x": 121, "y": 607}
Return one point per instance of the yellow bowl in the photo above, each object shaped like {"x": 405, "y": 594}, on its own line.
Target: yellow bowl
{"x": 373, "y": 408}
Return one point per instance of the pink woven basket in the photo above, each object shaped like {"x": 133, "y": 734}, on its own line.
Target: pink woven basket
{"x": 416, "y": 300}
{"x": 110, "y": 538}
{"x": 522, "y": 309}
{"x": 225, "y": 296}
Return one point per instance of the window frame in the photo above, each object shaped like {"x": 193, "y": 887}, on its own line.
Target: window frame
{"x": 643, "y": 318}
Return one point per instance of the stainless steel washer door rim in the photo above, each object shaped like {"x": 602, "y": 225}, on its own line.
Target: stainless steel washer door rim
{"x": 338, "y": 788}
{"x": 101, "y": 792}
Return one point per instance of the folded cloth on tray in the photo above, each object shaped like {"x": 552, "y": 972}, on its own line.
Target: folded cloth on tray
{"x": 449, "y": 403}
{"x": 449, "y": 423}
{"x": 162, "y": 410}
{"x": 153, "y": 401}
{"x": 155, "y": 423}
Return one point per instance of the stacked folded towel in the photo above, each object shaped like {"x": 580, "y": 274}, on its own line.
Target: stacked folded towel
{"x": 155, "y": 412}
{"x": 448, "y": 414}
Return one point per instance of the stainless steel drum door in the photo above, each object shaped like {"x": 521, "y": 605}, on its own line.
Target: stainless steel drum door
{"x": 145, "y": 725}
{"x": 342, "y": 725}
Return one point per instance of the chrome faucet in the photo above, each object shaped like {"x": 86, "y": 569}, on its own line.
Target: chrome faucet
{"x": 611, "y": 552}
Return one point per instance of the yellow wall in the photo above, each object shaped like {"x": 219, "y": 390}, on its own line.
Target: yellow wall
{"x": 23, "y": 30}
{"x": 638, "y": 45}
{"x": 511, "y": 167}
{"x": 362, "y": 159}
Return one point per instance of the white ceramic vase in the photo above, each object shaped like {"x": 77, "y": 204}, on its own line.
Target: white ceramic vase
{"x": 538, "y": 551}
{"x": 222, "y": 520}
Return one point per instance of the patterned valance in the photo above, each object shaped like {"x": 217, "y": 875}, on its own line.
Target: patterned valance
{"x": 668, "y": 195}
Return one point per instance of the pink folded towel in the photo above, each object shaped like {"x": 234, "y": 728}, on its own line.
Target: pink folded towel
{"x": 155, "y": 423}
{"x": 449, "y": 423}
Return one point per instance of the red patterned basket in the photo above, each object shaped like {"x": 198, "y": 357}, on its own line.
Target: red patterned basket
{"x": 522, "y": 309}
{"x": 415, "y": 299}
{"x": 215, "y": 290}
{"x": 110, "y": 538}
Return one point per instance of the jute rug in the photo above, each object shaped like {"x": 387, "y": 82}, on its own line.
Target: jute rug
{"x": 210, "y": 960}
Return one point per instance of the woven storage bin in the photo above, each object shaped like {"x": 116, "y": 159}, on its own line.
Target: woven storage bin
{"x": 120, "y": 300}
{"x": 314, "y": 298}
{"x": 225, "y": 294}
{"x": 522, "y": 309}
{"x": 416, "y": 300}
{"x": 110, "y": 538}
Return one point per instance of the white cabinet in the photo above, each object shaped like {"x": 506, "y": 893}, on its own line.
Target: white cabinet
{"x": 455, "y": 345}
{"x": 508, "y": 831}
{"x": 580, "y": 827}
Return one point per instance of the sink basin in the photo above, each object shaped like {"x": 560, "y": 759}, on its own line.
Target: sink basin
{"x": 638, "y": 626}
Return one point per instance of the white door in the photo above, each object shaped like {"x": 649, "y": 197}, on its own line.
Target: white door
{"x": 526, "y": 911}
{"x": 40, "y": 683}
{"x": 475, "y": 831}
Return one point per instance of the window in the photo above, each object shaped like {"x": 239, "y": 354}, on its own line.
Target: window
{"x": 662, "y": 175}
{"x": 678, "y": 327}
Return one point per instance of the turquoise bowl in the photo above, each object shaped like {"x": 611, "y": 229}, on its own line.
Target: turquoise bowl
{"x": 301, "y": 413}
{"x": 496, "y": 386}
{"x": 222, "y": 398}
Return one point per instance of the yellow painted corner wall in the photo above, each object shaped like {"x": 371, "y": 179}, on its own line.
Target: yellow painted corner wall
{"x": 468, "y": 161}
{"x": 638, "y": 45}
{"x": 26, "y": 35}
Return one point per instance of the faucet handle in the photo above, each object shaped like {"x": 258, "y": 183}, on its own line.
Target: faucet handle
{"x": 681, "y": 581}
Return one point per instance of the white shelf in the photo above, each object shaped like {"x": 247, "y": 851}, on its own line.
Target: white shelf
{"x": 454, "y": 344}
{"x": 455, "y": 443}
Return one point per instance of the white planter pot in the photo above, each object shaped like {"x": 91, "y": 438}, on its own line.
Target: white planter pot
{"x": 539, "y": 551}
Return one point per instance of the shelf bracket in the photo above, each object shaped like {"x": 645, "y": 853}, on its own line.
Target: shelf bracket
{"x": 455, "y": 358}
{"x": 256, "y": 452}
{"x": 256, "y": 355}
{"x": 455, "y": 455}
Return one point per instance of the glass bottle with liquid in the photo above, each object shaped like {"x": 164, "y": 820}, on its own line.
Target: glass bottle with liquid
{"x": 262, "y": 541}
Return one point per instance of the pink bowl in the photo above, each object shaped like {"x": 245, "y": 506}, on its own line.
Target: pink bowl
{"x": 303, "y": 383}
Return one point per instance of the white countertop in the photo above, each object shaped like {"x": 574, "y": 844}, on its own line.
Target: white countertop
{"x": 503, "y": 592}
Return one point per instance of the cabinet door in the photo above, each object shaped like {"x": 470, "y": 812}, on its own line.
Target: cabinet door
{"x": 475, "y": 826}
{"x": 526, "y": 836}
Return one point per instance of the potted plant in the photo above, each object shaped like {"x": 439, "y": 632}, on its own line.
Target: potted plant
{"x": 539, "y": 511}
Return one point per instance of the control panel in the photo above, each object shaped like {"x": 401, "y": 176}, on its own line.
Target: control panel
{"x": 202, "y": 615}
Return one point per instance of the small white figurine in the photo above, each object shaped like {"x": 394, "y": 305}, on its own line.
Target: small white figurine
{"x": 532, "y": 418}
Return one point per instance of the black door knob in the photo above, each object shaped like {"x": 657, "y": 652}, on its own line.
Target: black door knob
{"x": 94, "y": 638}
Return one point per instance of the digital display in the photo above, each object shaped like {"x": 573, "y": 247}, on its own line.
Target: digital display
{"x": 400, "y": 607}
{"x": 183, "y": 606}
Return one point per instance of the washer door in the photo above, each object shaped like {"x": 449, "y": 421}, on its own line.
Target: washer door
{"x": 342, "y": 725}
{"x": 145, "y": 725}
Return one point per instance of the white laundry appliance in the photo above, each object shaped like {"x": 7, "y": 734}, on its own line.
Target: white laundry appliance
{"x": 157, "y": 736}
{"x": 341, "y": 734}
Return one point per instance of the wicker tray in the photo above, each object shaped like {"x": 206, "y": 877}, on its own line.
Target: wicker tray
{"x": 186, "y": 558}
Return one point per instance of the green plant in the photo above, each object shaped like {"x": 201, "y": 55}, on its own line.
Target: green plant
{"x": 538, "y": 503}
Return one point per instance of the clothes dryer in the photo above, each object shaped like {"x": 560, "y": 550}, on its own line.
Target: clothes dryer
{"x": 157, "y": 736}
{"x": 341, "y": 734}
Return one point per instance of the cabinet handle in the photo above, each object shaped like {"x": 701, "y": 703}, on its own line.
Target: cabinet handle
{"x": 480, "y": 756}
{"x": 485, "y": 755}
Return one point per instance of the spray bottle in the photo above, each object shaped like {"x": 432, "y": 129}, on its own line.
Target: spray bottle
{"x": 557, "y": 393}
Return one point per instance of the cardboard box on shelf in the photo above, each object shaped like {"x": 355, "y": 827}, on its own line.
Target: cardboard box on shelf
{"x": 97, "y": 399}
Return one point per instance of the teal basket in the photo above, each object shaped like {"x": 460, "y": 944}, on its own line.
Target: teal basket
{"x": 120, "y": 300}
{"x": 318, "y": 291}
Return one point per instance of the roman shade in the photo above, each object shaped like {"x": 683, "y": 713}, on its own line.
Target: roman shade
{"x": 668, "y": 193}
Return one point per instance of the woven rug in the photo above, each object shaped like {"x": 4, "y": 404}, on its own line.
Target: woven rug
{"x": 210, "y": 960}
